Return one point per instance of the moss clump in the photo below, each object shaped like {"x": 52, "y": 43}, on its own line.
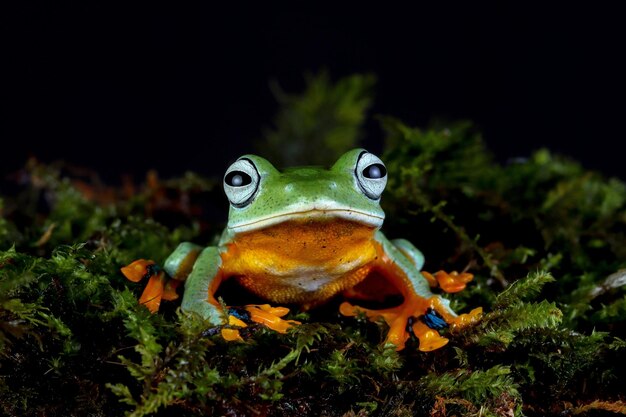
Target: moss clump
{"x": 545, "y": 238}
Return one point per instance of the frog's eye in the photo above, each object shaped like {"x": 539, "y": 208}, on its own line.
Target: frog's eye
{"x": 241, "y": 182}
{"x": 371, "y": 175}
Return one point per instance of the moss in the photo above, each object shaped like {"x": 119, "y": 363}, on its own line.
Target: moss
{"x": 544, "y": 237}
{"x": 325, "y": 121}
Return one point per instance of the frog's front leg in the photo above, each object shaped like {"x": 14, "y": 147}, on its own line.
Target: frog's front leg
{"x": 421, "y": 311}
{"x": 178, "y": 266}
{"x": 189, "y": 262}
{"x": 208, "y": 271}
{"x": 449, "y": 282}
{"x": 202, "y": 270}
{"x": 203, "y": 276}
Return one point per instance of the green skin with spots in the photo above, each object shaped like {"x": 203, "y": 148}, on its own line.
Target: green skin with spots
{"x": 279, "y": 196}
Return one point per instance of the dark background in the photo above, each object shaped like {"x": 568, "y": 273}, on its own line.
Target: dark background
{"x": 102, "y": 86}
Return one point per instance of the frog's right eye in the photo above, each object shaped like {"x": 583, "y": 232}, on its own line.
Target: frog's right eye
{"x": 241, "y": 182}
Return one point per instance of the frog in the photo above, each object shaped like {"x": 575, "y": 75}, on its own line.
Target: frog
{"x": 301, "y": 236}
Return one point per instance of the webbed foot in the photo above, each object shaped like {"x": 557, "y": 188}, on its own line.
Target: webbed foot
{"x": 449, "y": 282}
{"x": 159, "y": 287}
{"x": 416, "y": 317}
{"x": 271, "y": 317}
{"x": 263, "y": 314}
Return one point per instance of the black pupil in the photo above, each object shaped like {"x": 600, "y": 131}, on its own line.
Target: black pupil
{"x": 375, "y": 171}
{"x": 237, "y": 179}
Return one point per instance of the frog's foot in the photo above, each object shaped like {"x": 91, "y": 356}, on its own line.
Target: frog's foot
{"x": 403, "y": 323}
{"x": 416, "y": 317}
{"x": 271, "y": 317}
{"x": 449, "y": 282}
{"x": 159, "y": 287}
{"x": 264, "y": 314}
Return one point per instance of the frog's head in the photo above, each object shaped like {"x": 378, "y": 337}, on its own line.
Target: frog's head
{"x": 261, "y": 196}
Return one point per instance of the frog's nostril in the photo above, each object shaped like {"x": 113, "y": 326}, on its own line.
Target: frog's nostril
{"x": 288, "y": 188}
{"x": 332, "y": 185}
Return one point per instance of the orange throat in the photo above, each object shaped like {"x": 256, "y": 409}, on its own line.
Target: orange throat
{"x": 303, "y": 261}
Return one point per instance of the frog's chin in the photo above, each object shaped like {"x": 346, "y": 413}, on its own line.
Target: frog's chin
{"x": 313, "y": 214}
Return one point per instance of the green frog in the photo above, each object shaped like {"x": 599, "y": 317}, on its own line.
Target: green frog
{"x": 301, "y": 236}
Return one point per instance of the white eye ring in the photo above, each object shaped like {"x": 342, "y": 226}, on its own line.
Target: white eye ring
{"x": 371, "y": 175}
{"x": 241, "y": 182}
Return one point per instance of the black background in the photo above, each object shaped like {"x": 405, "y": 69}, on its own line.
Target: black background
{"x": 126, "y": 88}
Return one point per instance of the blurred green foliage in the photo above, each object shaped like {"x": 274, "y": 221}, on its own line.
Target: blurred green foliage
{"x": 545, "y": 238}
{"x": 325, "y": 121}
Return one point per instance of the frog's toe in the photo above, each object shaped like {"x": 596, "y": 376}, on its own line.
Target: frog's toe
{"x": 139, "y": 269}
{"x": 230, "y": 329}
{"x": 240, "y": 317}
{"x": 153, "y": 293}
{"x": 231, "y": 335}
{"x": 264, "y": 314}
{"x": 159, "y": 287}
{"x": 429, "y": 338}
{"x": 270, "y": 317}
{"x": 467, "y": 319}
{"x": 449, "y": 282}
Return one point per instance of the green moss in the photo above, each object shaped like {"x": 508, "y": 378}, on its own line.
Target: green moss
{"x": 314, "y": 127}
{"x": 544, "y": 237}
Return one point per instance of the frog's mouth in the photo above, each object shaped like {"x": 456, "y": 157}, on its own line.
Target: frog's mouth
{"x": 313, "y": 214}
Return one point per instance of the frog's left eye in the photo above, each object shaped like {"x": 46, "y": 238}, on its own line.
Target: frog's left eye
{"x": 371, "y": 175}
{"x": 241, "y": 182}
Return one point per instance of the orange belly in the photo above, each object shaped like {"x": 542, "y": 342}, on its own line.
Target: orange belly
{"x": 301, "y": 261}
